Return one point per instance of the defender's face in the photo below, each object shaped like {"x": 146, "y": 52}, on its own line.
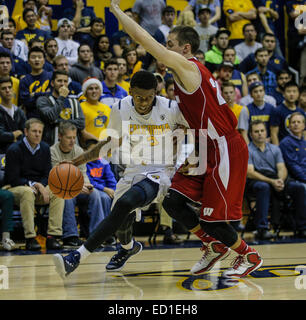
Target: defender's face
{"x": 143, "y": 99}
{"x": 173, "y": 44}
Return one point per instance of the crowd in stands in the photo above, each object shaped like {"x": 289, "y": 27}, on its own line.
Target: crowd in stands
{"x": 58, "y": 84}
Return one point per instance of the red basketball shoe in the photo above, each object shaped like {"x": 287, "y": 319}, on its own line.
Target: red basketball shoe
{"x": 244, "y": 265}
{"x": 213, "y": 252}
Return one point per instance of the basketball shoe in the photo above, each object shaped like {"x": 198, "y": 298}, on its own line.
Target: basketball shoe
{"x": 244, "y": 265}
{"x": 65, "y": 265}
{"x": 118, "y": 261}
{"x": 213, "y": 252}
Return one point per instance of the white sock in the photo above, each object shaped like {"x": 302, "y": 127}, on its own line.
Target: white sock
{"x": 5, "y": 235}
{"x": 83, "y": 252}
{"x": 128, "y": 246}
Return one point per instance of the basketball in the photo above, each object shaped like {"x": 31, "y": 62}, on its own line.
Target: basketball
{"x": 65, "y": 181}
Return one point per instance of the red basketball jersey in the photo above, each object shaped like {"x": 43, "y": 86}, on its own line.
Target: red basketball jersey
{"x": 205, "y": 108}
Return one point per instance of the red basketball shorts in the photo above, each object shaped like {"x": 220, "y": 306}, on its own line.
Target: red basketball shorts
{"x": 221, "y": 188}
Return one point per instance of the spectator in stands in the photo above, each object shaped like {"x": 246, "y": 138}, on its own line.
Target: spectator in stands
{"x": 101, "y": 50}
{"x": 27, "y": 167}
{"x": 5, "y": 71}
{"x": 85, "y": 68}
{"x": 57, "y": 107}
{"x": 121, "y": 39}
{"x": 51, "y": 49}
{"x": 199, "y": 54}
{"x": 214, "y": 56}
{"x": 31, "y": 31}
{"x": 275, "y": 64}
{"x": 19, "y": 20}
{"x": 238, "y": 13}
{"x": 162, "y": 70}
{"x": 35, "y": 84}
{"x": 266, "y": 177}
{"x": 250, "y": 78}
{"x": 44, "y": 13}
{"x": 169, "y": 86}
{"x": 257, "y": 110}
{"x": 96, "y": 113}
{"x": 66, "y": 149}
{"x": 205, "y": 29}
{"x": 12, "y": 118}
{"x": 133, "y": 63}
{"x": 249, "y": 45}
{"x": 80, "y": 15}
{"x": 122, "y": 66}
{"x": 213, "y": 5}
{"x": 268, "y": 77}
{"x": 186, "y": 18}
{"x": 268, "y": 14}
{"x": 102, "y": 178}
{"x": 168, "y": 16}
{"x": 16, "y": 47}
{"x": 280, "y": 115}
{"x": 6, "y": 206}
{"x": 66, "y": 46}
{"x": 40, "y": 44}
{"x": 225, "y": 74}
{"x": 293, "y": 148}
{"x": 282, "y": 78}
{"x": 148, "y": 14}
{"x": 96, "y": 27}
{"x": 302, "y": 99}
{"x": 238, "y": 78}
{"x": 112, "y": 92}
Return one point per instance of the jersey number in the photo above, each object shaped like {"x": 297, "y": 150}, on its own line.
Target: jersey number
{"x": 215, "y": 84}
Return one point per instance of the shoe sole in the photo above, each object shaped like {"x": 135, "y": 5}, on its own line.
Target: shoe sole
{"x": 118, "y": 269}
{"x": 212, "y": 263}
{"x": 59, "y": 265}
{"x": 244, "y": 275}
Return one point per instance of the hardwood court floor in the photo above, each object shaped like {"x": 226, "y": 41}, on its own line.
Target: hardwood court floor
{"x": 157, "y": 274}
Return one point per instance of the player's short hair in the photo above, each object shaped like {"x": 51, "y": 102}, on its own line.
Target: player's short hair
{"x": 143, "y": 80}
{"x": 187, "y": 35}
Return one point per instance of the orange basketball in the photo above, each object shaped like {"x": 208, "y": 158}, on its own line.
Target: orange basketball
{"x": 66, "y": 181}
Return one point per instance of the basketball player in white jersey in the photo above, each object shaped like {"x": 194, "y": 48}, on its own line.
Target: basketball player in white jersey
{"x": 148, "y": 118}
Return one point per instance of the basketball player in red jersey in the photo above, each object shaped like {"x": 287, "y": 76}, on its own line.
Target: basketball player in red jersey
{"x": 220, "y": 189}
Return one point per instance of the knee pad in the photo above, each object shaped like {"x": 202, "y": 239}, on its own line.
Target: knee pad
{"x": 221, "y": 231}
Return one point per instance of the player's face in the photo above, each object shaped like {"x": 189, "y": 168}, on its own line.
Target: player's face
{"x": 297, "y": 124}
{"x": 259, "y": 133}
{"x": 291, "y": 94}
{"x": 5, "y": 66}
{"x": 67, "y": 140}
{"x": 6, "y": 91}
{"x": 173, "y": 44}
{"x": 143, "y": 99}
{"x": 93, "y": 92}
{"x": 34, "y": 133}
